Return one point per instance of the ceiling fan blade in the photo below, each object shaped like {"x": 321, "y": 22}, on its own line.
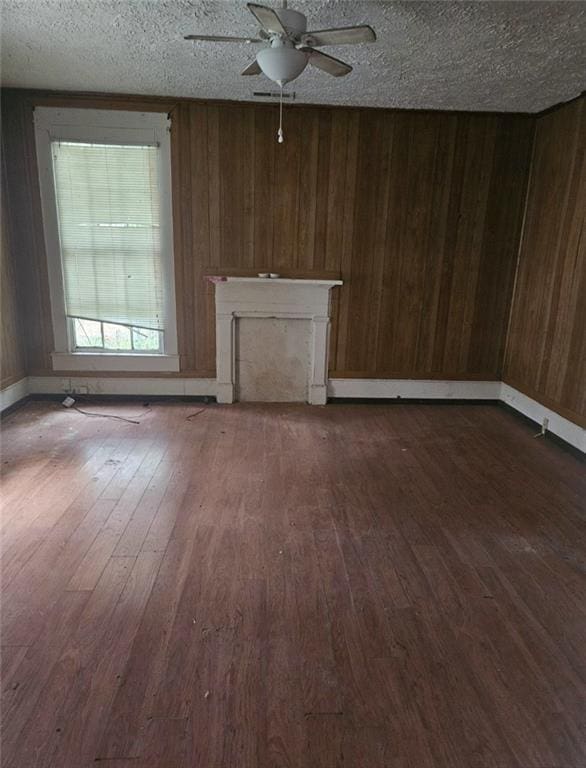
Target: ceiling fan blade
{"x": 329, "y": 64}
{"x": 223, "y": 39}
{"x": 252, "y": 69}
{"x": 339, "y": 36}
{"x": 267, "y": 18}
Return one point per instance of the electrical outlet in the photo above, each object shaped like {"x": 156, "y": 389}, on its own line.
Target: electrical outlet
{"x": 78, "y": 389}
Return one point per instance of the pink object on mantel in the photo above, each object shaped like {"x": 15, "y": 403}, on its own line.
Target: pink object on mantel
{"x": 216, "y": 278}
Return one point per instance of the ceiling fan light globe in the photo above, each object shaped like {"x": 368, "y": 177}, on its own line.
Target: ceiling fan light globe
{"x": 281, "y": 65}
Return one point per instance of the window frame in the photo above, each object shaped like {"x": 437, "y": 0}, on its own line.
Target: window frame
{"x": 102, "y": 126}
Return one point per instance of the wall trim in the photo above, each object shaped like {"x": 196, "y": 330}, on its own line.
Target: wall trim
{"x": 415, "y": 388}
{"x": 100, "y": 385}
{"x": 102, "y": 361}
{"x": 10, "y": 395}
{"x": 118, "y": 127}
{"x": 571, "y": 433}
{"x": 566, "y": 430}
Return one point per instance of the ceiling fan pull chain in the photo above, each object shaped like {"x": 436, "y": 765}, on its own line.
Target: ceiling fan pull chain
{"x": 280, "y": 137}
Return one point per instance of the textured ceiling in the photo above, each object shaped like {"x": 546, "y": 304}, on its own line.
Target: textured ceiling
{"x": 502, "y": 56}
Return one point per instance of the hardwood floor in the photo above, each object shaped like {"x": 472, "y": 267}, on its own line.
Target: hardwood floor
{"x": 255, "y": 586}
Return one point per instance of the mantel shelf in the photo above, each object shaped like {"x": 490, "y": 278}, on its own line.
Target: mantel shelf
{"x": 274, "y": 280}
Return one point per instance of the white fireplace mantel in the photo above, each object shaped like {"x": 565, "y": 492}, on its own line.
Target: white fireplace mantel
{"x": 272, "y": 298}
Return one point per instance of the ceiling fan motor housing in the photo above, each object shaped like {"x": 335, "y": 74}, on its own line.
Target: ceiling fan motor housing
{"x": 294, "y": 22}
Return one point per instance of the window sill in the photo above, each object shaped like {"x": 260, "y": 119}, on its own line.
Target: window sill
{"x": 104, "y": 361}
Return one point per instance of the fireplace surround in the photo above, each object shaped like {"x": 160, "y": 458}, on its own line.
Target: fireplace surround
{"x": 292, "y": 299}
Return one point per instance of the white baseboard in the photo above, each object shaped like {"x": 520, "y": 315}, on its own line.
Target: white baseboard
{"x": 98, "y": 385}
{"x": 415, "y": 388}
{"x": 571, "y": 433}
{"x": 13, "y": 393}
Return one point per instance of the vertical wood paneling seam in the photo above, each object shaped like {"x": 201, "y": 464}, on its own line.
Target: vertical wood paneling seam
{"x": 478, "y": 231}
{"x": 558, "y": 254}
{"x": 557, "y": 268}
{"x": 427, "y": 250}
{"x": 512, "y": 303}
{"x": 353, "y": 128}
{"x": 384, "y": 217}
{"x": 402, "y": 255}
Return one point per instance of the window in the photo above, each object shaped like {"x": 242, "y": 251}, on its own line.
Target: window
{"x": 105, "y": 185}
{"x": 92, "y": 335}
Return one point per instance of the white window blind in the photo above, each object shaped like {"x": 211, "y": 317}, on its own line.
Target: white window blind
{"x": 108, "y": 210}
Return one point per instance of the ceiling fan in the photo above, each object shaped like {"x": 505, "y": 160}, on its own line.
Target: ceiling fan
{"x": 290, "y": 46}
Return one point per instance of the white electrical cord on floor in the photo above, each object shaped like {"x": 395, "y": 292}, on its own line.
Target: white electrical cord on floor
{"x": 280, "y": 137}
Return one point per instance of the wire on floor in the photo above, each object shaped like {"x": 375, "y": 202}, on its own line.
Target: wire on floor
{"x": 108, "y": 415}
{"x": 196, "y": 413}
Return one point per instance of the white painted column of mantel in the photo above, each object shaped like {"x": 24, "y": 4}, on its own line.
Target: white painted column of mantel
{"x": 318, "y": 383}
{"x": 225, "y": 357}
{"x": 272, "y": 298}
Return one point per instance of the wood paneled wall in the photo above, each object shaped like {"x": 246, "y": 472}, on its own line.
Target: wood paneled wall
{"x": 546, "y": 351}
{"x": 12, "y": 340}
{"x": 418, "y": 213}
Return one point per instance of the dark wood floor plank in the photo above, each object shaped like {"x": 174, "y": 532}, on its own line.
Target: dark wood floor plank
{"x": 133, "y": 708}
{"x": 79, "y": 653}
{"x": 122, "y": 508}
{"x": 284, "y": 740}
{"x": 190, "y": 628}
{"x": 83, "y": 716}
{"x": 568, "y": 681}
{"x": 266, "y": 586}
{"x": 10, "y": 658}
{"x": 132, "y": 539}
{"x": 228, "y": 704}
{"x": 79, "y": 486}
{"x": 28, "y": 600}
{"x": 22, "y": 689}
{"x": 504, "y": 681}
